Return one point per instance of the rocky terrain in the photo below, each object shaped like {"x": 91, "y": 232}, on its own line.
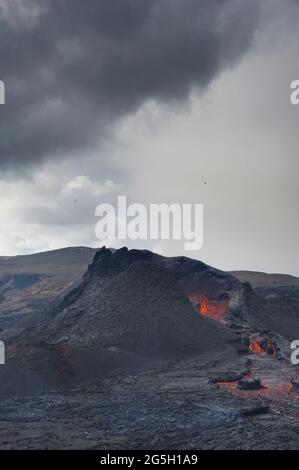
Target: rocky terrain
{"x": 147, "y": 352}
{"x": 26, "y": 280}
{"x": 28, "y": 284}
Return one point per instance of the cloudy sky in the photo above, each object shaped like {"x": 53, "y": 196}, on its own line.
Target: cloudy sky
{"x": 161, "y": 100}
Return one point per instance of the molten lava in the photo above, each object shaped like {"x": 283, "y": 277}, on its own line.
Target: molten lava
{"x": 204, "y": 304}
{"x": 255, "y": 346}
{"x": 212, "y": 308}
{"x": 259, "y": 345}
{"x": 271, "y": 389}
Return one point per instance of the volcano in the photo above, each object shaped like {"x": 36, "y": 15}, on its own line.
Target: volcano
{"x": 144, "y": 346}
{"x": 141, "y": 309}
{"x": 139, "y": 295}
{"x": 129, "y": 310}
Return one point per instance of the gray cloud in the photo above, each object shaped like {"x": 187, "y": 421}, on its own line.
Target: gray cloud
{"x": 71, "y": 67}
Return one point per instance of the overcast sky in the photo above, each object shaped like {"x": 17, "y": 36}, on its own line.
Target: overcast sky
{"x": 161, "y": 100}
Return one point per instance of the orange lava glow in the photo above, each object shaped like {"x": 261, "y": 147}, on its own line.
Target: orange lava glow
{"x": 214, "y": 309}
{"x": 270, "y": 390}
{"x": 204, "y": 304}
{"x": 260, "y": 346}
{"x": 229, "y": 386}
{"x": 255, "y": 346}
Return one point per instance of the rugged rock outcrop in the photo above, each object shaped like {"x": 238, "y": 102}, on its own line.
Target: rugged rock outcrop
{"x": 129, "y": 310}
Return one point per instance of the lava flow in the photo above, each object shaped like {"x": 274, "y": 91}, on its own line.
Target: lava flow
{"x": 204, "y": 305}
{"x": 260, "y": 345}
{"x": 270, "y": 390}
{"x": 212, "y": 308}
{"x": 255, "y": 346}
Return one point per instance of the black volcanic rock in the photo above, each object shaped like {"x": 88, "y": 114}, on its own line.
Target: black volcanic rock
{"x": 191, "y": 274}
{"x": 107, "y": 263}
{"x": 131, "y": 322}
{"x": 250, "y": 384}
{"x": 279, "y": 314}
{"x": 129, "y": 310}
{"x": 136, "y": 305}
{"x": 255, "y": 411}
{"x": 194, "y": 276}
{"x": 295, "y": 384}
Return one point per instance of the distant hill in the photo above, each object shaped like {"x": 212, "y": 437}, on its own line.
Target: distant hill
{"x": 60, "y": 263}
{"x": 260, "y": 279}
{"x": 27, "y": 280}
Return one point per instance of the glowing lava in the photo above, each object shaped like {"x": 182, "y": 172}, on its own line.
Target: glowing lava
{"x": 204, "y": 305}
{"x": 274, "y": 390}
{"x": 212, "y": 308}
{"x": 255, "y": 346}
{"x": 260, "y": 345}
